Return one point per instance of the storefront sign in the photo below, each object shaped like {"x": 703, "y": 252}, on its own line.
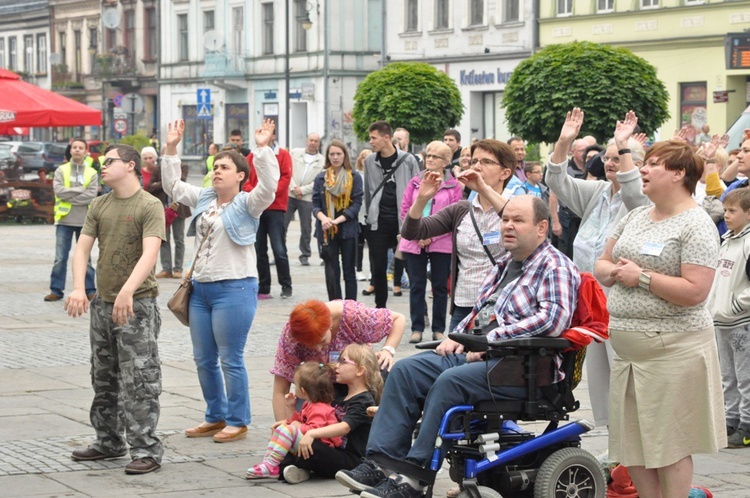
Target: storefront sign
{"x": 474, "y": 78}
{"x": 721, "y": 97}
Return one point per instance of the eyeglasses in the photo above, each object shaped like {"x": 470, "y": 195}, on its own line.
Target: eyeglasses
{"x": 485, "y": 162}
{"x": 615, "y": 160}
{"x": 435, "y": 156}
{"x": 343, "y": 360}
{"x": 108, "y": 162}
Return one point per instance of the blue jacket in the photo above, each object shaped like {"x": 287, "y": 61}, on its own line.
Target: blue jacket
{"x": 350, "y": 228}
{"x": 239, "y": 224}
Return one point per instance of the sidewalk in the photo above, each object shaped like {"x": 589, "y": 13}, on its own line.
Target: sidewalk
{"x": 45, "y": 395}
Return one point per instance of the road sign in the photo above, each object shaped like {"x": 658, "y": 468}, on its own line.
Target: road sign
{"x": 204, "y": 111}
{"x": 121, "y": 126}
{"x": 118, "y": 99}
{"x": 204, "y": 96}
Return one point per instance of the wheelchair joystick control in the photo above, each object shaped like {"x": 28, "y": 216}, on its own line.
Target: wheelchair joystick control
{"x": 477, "y": 331}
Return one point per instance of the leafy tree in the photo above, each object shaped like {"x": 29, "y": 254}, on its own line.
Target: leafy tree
{"x": 139, "y": 141}
{"x": 413, "y": 95}
{"x": 604, "y": 81}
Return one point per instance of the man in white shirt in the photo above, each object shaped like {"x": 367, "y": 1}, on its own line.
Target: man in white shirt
{"x": 306, "y": 164}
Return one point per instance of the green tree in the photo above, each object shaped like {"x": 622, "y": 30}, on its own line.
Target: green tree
{"x": 139, "y": 141}
{"x": 413, "y": 95}
{"x": 605, "y": 82}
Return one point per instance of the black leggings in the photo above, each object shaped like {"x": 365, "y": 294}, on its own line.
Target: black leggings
{"x": 324, "y": 462}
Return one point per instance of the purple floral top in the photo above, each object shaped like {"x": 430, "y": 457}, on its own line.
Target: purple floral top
{"x": 360, "y": 324}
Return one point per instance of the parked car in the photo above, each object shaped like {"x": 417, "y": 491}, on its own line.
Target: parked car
{"x": 9, "y": 163}
{"x": 36, "y": 155}
{"x": 96, "y": 148}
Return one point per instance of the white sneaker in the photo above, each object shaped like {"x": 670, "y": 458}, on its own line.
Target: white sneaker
{"x": 361, "y": 276}
{"x": 295, "y": 475}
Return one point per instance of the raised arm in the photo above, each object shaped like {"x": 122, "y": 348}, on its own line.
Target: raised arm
{"x": 266, "y": 168}
{"x": 171, "y": 169}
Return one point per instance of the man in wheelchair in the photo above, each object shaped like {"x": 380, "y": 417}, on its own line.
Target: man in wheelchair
{"x": 531, "y": 292}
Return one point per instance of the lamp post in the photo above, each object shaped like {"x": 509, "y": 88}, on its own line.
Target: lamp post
{"x": 306, "y": 25}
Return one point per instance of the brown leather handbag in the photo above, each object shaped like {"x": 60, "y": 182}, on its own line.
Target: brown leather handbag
{"x": 179, "y": 303}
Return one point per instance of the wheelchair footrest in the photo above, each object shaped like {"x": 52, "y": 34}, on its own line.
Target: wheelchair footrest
{"x": 425, "y": 476}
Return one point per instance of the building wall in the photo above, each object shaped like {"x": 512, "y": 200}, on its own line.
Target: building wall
{"x": 23, "y": 19}
{"x": 683, "y": 40}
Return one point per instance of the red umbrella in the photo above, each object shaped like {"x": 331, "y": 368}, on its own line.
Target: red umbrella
{"x": 24, "y": 104}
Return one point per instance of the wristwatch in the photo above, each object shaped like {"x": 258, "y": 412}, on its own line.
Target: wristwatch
{"x": 644, "y": 281}
{"x": 390, "y": 349}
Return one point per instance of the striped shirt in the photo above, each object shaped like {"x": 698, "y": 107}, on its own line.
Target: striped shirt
{"x": 540, "y": 302}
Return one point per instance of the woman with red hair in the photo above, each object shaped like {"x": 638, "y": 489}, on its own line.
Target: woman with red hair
{"x": 319, "y": 331}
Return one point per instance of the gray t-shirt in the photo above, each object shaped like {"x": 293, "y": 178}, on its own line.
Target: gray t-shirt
{"x": 689, "y": 237}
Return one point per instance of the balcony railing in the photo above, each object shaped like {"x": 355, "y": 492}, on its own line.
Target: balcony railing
{"x": 113, "y": 65}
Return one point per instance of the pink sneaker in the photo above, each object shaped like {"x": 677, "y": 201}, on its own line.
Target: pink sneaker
{"x": 265, "y": 296}
{"x": 262, "y": 471}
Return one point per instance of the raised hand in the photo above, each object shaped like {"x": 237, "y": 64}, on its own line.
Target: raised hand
{"x": 264, "y": 134}
{"x": 724, "y": 141}
{"x": 625, "y": 128}
{"x": 430, "y": 185}
{"x": 681, "y": 135}
{"x": 174, "y": 136}
{"x": 641, "y": 138}
{"x": 472, "y": 179}
{"x": 572, "y": 125}
{"x": 709, "y": 148}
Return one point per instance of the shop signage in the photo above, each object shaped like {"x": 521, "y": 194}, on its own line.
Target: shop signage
{"x": 721, "y": 97}
{"x": 474, "y": 78}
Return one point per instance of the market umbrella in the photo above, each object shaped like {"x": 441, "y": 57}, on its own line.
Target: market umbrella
{"x": 24, "y": 104}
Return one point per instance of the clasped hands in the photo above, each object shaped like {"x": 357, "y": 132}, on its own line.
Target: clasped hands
{"x": 626, "y": 272}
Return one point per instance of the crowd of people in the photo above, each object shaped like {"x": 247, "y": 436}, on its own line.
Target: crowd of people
{"x": 502, "y": 242}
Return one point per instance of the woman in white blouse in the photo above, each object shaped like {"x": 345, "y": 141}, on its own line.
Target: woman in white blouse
{"x": 225, "y": 280}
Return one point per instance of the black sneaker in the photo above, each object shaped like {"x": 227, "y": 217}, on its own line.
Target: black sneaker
{"x": 740, "y": 439}
{"x": 363, "y": 476}
{"x": 286, "y": 293}
{"x": 393, "y": 487}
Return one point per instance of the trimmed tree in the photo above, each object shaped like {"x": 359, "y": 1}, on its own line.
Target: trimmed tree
{"x": 412, "y": 95}
{"x": 604, "y": 81}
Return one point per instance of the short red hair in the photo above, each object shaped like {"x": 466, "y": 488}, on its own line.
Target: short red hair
{"x": 309, "y": 321}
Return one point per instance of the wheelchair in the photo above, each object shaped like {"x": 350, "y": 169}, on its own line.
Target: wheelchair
{"x": 491, "y": 456}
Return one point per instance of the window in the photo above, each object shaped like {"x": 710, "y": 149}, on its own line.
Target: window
{"x": 565, "y": 7}
{"x": 182, "y": 33}
{"x": 28, "y": 53}
{"x": 476, "y": 12}
{"x": 208, "y": 20}
{"x": 111, "y": 39}
{"x": 12, "y": 53}
{"x": 152, "y": 42}
{"x": 267, "y": 28}
{"x": 2, "y": 52}
{"x": 198, "y": 132}
{"x": 511, "y": 10}
{"x": 412, "y": 15}
{"x": 442, "y": 10}
{"x": 130, "y": 32}
{"x": 93, "y": 44}
{"x": 238, "y": 22}
{"x": 605, "y": 5}
{"x": 78, "y": 53}
{"x": 300, "y": 33}
{"x": 41, "y": 53}
{"x": 649, "y": 4}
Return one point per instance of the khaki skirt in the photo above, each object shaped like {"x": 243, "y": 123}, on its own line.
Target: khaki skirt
{"x": 665, "y": 399}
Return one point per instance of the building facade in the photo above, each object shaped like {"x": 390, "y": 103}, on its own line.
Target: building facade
{"x": 225, "y": 65}
{"x": 700, "y": 49}
{"x": 478, "y": 43}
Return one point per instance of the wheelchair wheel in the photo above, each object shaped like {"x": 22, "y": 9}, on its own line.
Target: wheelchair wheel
{"x": 570, "y": 473}
{"x": 484, "y": 492}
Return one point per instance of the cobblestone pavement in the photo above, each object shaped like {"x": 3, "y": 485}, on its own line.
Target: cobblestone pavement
{"x": 45, "y": 395}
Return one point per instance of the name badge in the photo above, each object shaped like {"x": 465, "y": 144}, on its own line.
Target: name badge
{"x": 79, "y": 179}
{"x": 333, "y": 356}
{"x": 652, "y": 249}
{"x": 491, "y": 238}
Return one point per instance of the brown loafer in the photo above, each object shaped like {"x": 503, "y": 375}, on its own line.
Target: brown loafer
{"x": 416, "y": 337}
{"x": 90, "y": 454}
{"x": 141, "y": 466}
{"x": 176, "y": 274}
{"x": 205, "y": 430}
{"x": 228, "y": 437}
{"x": 164, "y": 274}
{"x": 52, "y": 297}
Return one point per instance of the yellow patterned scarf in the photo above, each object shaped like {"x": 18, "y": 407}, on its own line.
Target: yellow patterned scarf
{"x": 338, "y": 195}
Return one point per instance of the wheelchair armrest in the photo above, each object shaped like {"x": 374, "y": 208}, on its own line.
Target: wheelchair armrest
{"x": 470, "y": 342}
{"x": 532, "y": 343}
{"x": 428, "y": 345}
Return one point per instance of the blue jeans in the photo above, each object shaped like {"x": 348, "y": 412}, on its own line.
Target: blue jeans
{"x": 272, "y": 227}
{"x": 426, "y": 385}
{"x": 440, "y": 271}
{"x": 347, "y": 248}
{"x": 64, "y": 239}
{"x": 221, "y": 314}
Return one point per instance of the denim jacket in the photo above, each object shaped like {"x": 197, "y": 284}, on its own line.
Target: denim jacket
{"x": 239, "y": 224}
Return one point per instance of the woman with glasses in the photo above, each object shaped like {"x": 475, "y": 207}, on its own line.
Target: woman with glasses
{"x": 225, "y": 276}
{"x": 318, "y": 331}
{"x": 336, "y": 199}
{"x": 435, "y": 251}
{"x": 600, "y": 205}
{"x": 474, "y": 225}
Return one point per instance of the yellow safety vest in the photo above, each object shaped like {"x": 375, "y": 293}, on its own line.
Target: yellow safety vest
{"x": 62, "y": 208}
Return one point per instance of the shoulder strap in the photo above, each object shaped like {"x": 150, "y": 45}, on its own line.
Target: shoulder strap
{"x": 195, "y": 258}
{"x": 389, "y": 175}
{"x": 479, "y": 234}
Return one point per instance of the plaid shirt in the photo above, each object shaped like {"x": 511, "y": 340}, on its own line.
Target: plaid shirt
{"x": 538, "y": 303}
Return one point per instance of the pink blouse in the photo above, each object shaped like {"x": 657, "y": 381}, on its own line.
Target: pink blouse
{"x": 360, "y": 324}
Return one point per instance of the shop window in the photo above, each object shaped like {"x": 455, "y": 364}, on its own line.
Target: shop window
{"x": 693, "y": 107}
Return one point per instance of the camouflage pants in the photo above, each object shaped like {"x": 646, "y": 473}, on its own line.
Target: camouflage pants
{"x": 126, "y": 377}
